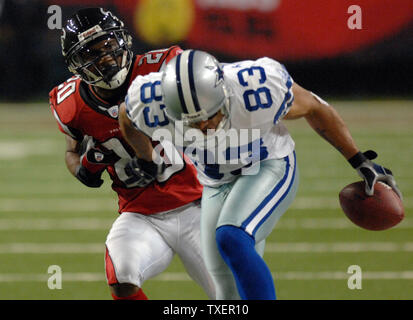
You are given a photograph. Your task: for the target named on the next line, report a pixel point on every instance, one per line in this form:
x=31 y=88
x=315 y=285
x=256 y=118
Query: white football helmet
x=194 y=88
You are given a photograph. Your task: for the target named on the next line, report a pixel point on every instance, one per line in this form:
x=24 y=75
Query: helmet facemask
x=102 y=60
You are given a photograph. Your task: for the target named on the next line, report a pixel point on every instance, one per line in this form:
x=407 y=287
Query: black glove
x=141 y=173
x=93 y=161
x=93 y=154
x=92 y=180
x=372 y=172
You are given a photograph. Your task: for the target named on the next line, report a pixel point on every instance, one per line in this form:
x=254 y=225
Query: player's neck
x=105 y=94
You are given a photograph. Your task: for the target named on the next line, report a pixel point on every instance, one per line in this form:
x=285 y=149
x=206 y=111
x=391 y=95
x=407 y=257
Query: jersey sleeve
x=62 y=102
x=144 y=104
x=280 y=84
x=154 y=61
x=172 y=52
x=285 y=83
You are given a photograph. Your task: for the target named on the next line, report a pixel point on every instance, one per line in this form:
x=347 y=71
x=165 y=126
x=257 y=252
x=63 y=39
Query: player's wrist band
x=356 y=160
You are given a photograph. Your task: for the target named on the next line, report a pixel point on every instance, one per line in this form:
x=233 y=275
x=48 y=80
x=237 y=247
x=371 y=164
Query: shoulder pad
x=262 y=89
x=64 y=103
x=154 y=60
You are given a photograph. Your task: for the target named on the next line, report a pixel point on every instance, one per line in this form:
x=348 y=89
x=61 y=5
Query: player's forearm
x=140 y=143
x=72 y=161
x=72 y=157
x=326 y=121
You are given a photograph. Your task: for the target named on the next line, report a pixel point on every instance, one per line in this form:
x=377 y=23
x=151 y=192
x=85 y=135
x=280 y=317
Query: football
x=381 y=211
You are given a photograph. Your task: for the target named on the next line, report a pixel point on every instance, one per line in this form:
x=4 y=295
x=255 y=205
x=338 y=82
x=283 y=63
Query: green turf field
x=48 y=218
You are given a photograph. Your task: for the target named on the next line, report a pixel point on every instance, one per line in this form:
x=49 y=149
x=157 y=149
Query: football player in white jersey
x=227 y=118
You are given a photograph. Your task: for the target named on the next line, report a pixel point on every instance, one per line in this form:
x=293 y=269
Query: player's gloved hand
x=93 y=162
x=98 y=158
x=93 y=157
x=372 y=172
x=141 y=173
x=92 y=180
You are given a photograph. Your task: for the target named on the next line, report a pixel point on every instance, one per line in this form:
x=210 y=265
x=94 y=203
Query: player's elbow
x=316 y=107
x=304 y=105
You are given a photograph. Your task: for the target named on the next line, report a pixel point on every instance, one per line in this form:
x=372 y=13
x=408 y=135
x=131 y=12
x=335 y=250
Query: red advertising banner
x=292 y=29
x=286 y=29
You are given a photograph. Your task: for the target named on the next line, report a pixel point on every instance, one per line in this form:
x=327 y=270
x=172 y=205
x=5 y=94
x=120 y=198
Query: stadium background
x=48 y=218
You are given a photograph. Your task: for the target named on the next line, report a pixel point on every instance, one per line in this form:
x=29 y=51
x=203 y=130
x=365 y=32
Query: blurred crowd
x=31 y=61
x=25 y=51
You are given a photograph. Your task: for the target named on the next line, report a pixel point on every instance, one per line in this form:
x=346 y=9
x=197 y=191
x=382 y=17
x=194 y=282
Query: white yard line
x=271 y=247
x=58 y=205
x=327 y=223
x=330 y=203
x=311 y=247
x=181 y=276
x=98 y=204
x=57 y=224
x=48 y=248
x=105 y=223
x=11 y=150
x=70 y=277
x=342 y=275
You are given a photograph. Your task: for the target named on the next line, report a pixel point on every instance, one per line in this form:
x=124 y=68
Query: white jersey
x=260 y=95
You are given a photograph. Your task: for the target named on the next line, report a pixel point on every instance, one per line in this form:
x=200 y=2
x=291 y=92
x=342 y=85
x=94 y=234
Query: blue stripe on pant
x=274 y=198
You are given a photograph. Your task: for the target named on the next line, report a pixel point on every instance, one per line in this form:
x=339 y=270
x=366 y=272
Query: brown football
x=381 y=211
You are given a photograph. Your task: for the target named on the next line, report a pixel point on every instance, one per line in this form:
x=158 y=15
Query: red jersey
x=80 y=112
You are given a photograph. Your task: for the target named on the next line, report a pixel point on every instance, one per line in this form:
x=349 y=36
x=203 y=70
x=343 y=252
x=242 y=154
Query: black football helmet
x=97 y=47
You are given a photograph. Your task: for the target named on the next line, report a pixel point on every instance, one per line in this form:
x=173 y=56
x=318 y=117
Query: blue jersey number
x=148 y=94
x=158 y=120
x=259 y=98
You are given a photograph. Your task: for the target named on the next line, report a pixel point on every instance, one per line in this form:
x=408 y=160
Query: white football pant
x=139 y=247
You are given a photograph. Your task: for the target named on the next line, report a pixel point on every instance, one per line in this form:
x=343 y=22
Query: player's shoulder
x=261 y=90
x=157 y=53
x=154 y=60
x=65 y=99
x=145 y=87
x=261 y=67
x=144 y=93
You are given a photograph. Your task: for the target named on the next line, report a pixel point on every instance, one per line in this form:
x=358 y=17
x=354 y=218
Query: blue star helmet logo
x=220 y=76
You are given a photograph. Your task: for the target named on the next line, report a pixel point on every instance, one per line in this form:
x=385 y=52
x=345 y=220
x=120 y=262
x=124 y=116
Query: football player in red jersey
x=159 y=203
